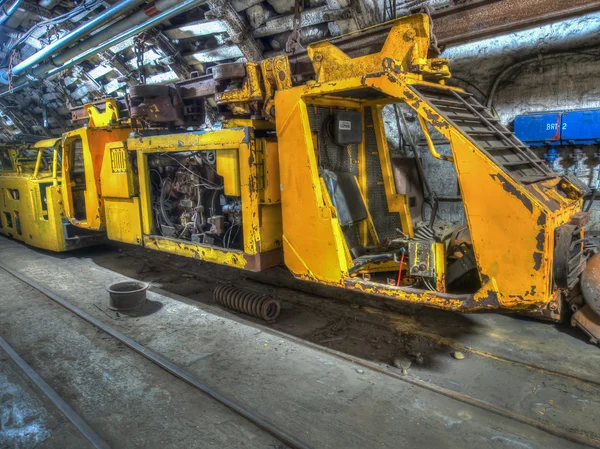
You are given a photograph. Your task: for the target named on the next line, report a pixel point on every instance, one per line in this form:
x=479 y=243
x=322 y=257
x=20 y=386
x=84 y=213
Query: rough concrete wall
x=568 y=81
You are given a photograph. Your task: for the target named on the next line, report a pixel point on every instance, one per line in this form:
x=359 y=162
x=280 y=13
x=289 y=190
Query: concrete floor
x=322 y=399
x=28 y=419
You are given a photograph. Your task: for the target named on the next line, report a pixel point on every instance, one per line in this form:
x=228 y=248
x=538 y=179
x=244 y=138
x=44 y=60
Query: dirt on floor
x=359 y=330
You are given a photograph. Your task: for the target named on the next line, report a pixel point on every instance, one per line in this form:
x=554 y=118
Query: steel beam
x=485 y=18
x=196 y=29
x=237 y=30
x=310 y=17
x=214 y=55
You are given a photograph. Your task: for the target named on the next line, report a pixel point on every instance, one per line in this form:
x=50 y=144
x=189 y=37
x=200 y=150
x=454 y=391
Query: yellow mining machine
x=296 y=168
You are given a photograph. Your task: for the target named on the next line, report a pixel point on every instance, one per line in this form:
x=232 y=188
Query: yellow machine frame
x=249 y=166
x=286 y=207
x=32 y=202
x=512 y=224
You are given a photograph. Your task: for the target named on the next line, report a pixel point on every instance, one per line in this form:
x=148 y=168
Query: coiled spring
x=248 y=302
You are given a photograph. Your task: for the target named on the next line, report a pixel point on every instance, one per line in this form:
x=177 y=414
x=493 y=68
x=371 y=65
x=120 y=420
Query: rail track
x=569 y=434
x=280 y=288
x=261 y=422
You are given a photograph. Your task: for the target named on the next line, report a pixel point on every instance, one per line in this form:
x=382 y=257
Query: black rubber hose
x=592 y=198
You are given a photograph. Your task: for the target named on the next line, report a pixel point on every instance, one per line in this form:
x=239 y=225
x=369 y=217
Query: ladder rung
x=506 y=147
x=484 y=133
x=515 y=163
x=439 y=101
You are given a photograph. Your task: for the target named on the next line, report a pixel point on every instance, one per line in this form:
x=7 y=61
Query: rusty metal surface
x=156 y=104
x=249 y=302
x=262 y=261
x=589 y=322
x=229 y=71
x=590 y=283
x=484 y=18
x=201 y=86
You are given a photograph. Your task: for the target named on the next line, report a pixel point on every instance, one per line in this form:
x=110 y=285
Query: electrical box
x=347 y=127
x=581 y=127
x=539 y=128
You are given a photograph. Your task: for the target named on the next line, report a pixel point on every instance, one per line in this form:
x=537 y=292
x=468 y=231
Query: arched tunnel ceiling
x=213 y=32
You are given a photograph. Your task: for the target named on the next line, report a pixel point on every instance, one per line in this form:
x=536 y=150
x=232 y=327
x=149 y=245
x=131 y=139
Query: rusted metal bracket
x=589 y=322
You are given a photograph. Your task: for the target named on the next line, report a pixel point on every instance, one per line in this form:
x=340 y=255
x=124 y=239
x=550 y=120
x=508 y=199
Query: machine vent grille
x=118 y=160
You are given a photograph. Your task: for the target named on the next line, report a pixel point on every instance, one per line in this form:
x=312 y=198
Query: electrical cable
x=592 y=198
x=430 y=193
x=161 y=200
x=48 y=23
x=192 y=172
x=400 y=269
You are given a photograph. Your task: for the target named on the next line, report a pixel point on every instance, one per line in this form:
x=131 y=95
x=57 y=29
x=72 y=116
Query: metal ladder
x=486 y=132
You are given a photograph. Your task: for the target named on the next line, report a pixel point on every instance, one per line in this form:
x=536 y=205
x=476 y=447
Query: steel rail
x=65 y=408
x=574 y=436
x=454 y=344
x=167 y=365
x=567 y=434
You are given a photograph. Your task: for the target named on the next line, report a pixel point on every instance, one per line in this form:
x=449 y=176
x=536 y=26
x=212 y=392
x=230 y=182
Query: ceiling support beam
x=480 y=19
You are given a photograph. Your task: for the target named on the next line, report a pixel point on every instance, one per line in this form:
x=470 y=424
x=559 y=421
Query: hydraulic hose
x=85 y=29
x=120 y=31
x=6 y=13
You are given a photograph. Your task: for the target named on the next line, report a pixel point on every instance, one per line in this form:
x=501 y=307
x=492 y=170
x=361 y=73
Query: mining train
x=294 y=168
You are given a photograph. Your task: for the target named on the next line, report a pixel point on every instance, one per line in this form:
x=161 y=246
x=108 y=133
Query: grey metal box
x=347 y=127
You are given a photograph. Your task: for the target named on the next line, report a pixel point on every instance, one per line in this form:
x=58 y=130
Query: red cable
x=400 y=270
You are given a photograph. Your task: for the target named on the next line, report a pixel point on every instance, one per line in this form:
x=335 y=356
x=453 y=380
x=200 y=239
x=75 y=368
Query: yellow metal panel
x=116 y=173
x=108 y=117
x=93 y=142
x=313 y=245
x=249 y=193
x=395 y=201
x=370 y=225
x=197 y=140
x=271 y=192
x=42 y=229
x=364 y=229
x=145 y=194
x=270 y=227
x=47 y=143
x=123 y=220
x=440 y=267
x=228 y=257
x=228 y=166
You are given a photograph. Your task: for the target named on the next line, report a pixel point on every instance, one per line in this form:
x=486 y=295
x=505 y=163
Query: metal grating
x=335 y=158
x=385 y=221
x=118 y=160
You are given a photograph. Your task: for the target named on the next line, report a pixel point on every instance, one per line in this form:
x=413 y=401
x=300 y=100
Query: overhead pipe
x=165 y=15
x=85 y=29
x=6 y=13
x=130 y=24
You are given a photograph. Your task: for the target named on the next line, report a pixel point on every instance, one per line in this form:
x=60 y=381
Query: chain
x=10 y=74
x=293 y=45
x=138 y=50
